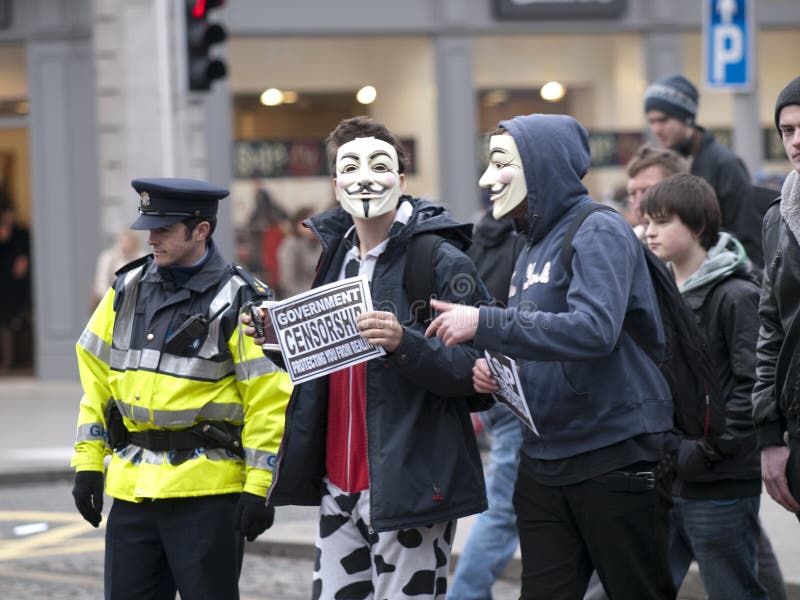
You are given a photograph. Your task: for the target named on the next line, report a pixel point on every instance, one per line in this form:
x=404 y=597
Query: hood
x=725 y=258
x=427 y=216
x=555 y=157
x=490 y=232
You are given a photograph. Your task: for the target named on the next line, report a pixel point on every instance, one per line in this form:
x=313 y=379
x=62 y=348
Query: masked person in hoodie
x=718 y=487
x=385 y=448
x=589 y=493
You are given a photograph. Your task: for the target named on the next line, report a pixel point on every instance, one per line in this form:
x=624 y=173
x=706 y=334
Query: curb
x=36 y=476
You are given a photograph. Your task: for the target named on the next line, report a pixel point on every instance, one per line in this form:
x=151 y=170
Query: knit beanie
x=673 y=95
x=789 y=95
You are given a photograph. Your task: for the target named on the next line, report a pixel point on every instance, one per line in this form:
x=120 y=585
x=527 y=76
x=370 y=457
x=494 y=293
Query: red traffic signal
x=202 y=65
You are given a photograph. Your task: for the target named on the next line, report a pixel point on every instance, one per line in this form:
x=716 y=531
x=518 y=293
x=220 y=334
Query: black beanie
x=673 y=95
x=789 y=95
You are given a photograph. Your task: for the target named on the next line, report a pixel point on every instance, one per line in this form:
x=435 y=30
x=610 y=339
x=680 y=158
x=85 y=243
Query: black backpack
x=419 y=277
x=698 y=408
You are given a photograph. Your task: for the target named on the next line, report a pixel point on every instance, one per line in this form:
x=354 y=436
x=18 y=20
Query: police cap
x=167 y=200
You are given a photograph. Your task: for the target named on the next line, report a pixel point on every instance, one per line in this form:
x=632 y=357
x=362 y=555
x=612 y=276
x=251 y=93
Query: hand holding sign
x=482 y=379
x=509 y=389
x=381 y=328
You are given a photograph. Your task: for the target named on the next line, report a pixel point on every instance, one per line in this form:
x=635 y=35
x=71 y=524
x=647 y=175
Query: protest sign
x=510 y=393
x=317 y=330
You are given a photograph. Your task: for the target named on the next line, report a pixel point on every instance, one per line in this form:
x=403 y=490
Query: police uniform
x=190 y=411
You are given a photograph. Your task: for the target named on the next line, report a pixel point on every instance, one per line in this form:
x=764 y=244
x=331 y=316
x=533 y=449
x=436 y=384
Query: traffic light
x=202 y=65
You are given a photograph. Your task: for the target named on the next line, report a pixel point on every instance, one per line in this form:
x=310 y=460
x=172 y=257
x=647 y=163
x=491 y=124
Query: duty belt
x=208 y=435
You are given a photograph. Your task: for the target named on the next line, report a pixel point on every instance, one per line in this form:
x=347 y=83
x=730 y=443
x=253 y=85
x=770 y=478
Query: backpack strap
x=419 y=278
x=567 y=251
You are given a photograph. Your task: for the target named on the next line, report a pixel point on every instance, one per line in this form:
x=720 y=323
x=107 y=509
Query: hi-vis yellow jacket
x=222 y=377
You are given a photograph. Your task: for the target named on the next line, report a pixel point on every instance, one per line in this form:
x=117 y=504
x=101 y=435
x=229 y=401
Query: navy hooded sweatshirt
x=589 y=385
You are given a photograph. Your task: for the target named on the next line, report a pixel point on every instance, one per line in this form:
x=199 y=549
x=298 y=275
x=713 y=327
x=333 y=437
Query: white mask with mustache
x=368 y=182
x=504 y=176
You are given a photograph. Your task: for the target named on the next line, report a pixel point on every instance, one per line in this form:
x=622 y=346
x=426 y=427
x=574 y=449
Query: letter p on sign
x=728 y=31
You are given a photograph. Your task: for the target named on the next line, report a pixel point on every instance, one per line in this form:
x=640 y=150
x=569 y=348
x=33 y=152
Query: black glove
x=88 y=494
x=253 y=516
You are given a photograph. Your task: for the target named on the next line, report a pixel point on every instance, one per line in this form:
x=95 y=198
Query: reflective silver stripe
x=185 y=367
x=125 y=408
x=123 y=323
x=141 y=414
x=95 y=346
x=149 y=359
x=122 y=360
x=260 y=459
x=90 y=432
x=136 y=454
x=211 y=411
x=255 y=367
x=210 y=347
x=195 y=368
x=220 y=454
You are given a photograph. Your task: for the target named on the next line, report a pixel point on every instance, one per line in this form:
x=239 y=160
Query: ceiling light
x=552 y=91
x=367 y=94
x=272 y=97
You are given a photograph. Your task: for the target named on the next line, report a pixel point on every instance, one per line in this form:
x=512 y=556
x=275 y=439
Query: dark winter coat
x=423 y=460
x=724 y=297
x=494 y=250
x=776 y=396
x=728 y=175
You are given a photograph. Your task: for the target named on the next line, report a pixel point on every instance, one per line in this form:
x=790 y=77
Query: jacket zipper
x=349 y=426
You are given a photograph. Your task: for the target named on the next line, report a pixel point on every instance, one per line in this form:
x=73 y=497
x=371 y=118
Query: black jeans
x=612 y=524
x=156 y=547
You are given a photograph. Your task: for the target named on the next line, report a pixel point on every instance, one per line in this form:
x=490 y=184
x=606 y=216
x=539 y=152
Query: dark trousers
x=567 y=531
x=154 y=548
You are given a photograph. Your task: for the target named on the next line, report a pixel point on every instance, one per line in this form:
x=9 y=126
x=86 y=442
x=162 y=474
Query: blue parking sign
x=728 y=36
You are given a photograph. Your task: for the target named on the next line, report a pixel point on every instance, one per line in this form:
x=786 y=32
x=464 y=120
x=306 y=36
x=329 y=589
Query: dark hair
x=299 y=216
x=357 y=127
x=192 y=222
x=647 y=156
x=689 y=197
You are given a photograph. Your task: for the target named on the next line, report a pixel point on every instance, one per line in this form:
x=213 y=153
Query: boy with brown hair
x=717 y=489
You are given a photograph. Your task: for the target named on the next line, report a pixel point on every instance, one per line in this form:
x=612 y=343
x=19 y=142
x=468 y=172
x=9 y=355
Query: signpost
x=728 y=42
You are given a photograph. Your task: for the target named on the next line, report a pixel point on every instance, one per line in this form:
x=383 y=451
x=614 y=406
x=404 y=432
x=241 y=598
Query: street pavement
x=38 y=427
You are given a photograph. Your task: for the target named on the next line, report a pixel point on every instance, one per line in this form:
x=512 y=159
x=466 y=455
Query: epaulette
x=259 y=287
x=133 y=264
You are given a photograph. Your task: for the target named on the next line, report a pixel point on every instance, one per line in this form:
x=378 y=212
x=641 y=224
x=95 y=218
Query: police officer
x=189 y=410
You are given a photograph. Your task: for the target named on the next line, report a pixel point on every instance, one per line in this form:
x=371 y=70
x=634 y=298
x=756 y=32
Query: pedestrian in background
x=775 y=397
x=15 y=281
x=190 y=414
x=298 y=255
x=385 y=448
x=717 y=489
x=493 y=537
x=126 y=247
x=670 y=105
x=592 y=490
x=648 y=166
